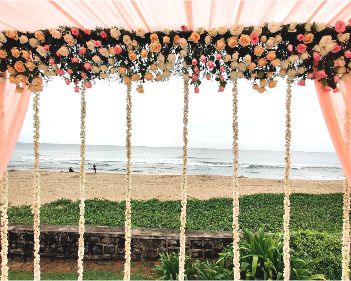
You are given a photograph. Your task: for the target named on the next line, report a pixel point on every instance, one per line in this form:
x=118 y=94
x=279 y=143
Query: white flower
x=23 y=39
x=237 y=29
x=274 y=27
x=2 y=38
x=115 y=33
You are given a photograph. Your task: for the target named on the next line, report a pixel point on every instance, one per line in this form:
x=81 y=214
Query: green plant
x=169 y=267
x=212 y=270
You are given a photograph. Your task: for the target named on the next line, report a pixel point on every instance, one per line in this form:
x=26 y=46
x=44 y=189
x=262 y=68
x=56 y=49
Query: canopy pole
x=82 y=186
x=184 y=186
x=36 y=186
x=128 y=210
x=287 y=191
x=4 y=226
x=235 y=180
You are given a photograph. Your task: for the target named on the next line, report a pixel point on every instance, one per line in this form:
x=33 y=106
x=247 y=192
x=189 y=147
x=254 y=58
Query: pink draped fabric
x=13 y=108
x=336 y=108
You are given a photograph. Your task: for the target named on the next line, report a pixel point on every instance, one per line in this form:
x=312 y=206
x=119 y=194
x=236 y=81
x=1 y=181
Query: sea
x=168 y=161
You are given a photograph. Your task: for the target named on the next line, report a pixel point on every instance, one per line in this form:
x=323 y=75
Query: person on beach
x=70 y=170
x=94 y=168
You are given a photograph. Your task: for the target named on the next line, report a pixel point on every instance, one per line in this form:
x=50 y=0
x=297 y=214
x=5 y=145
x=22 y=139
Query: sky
x=157 y=116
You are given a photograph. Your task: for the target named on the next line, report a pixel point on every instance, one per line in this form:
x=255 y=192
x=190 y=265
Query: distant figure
x=94 y=168
x=70 y=170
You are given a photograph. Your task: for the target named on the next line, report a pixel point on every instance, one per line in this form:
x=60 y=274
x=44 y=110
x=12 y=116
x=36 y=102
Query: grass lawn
x=309 y=212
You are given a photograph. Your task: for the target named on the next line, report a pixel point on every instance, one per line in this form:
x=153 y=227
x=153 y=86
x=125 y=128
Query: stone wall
x=108 y=242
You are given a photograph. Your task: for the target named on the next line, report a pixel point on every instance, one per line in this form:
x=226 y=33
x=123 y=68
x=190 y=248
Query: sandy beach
x=56 y=185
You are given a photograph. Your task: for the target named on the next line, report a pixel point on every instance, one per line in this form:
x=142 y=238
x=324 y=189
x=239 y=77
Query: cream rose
x=222 y=30
x=2 y=38
x=292 y=27
x=33 y=42
x=56 y=34
x=140 y=32
x=236 y=29
x=69 y=40
x=41 y=51
x=115 y=33
x=213 y=32
x=343 y=37
x=63 y=51
x=326 y=45
x=274 y=27
x=23 y=39
x=96 y=59
x=104 y=52
x=90 y=45
x=320 y=27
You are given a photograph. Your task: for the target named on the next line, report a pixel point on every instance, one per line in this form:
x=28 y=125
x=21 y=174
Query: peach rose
x=140 y=89
x=22 y=78
x=236 y=29
x=135 y=77
x=258 y=50
x=63 y=51
x=122 y=70
x=176 y=40
x=220 y=44
x=96 y=59
x=39 y=35
x=30 y=65
x=271 y=56
x=232 y=42
x=308 y=38
x=19 y=66
x=115 y=33
x=195 y=37
x=275 y=62
x=148 y=76
x=37 y=84
x=15 y=52
x=3 y=54
x=262 y=62
x=158 y=77
x=33 y=42
x=208 y=40
x=144 y=53
x=153 y=37
x=11 y=34
x=132 y=56
x=23 y=39
x=153 y=67
x=155 y=47
x=140 y=32
x=166 y=40
x=343 y=37
x=69 y=39
x=244 y=40
x=127 y=40
x=251 y=66
x=26 y=55
x=2 y=38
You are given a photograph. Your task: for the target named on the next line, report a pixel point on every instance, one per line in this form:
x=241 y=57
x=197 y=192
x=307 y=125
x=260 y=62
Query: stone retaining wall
x=106 y=243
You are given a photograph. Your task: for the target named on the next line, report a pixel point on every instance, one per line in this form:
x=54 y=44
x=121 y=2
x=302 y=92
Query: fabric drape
x=13 y=108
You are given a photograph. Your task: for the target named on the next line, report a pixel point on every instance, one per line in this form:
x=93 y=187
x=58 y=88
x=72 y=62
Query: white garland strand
x=184 y=185
x=235 y=180
x=82 y=187
x=128 y=211
x=346 y=233
x=287 y=191
x=4 y=226
x=36 y=187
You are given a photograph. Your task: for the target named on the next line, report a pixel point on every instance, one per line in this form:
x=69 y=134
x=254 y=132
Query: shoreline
x=110 y=186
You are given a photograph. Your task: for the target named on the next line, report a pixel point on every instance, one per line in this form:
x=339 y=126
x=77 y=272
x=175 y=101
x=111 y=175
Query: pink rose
x=290 y=48
x=88 y=85
x=310 y=76
x=74 y=31
x=348 y=54
x=84 y=75
x=82 y=51
x=218 y=56
x=97 y=43
x=196 y=90
x=87 y=31
x=196 y=70
x=51 y=61
x=302 y=82
x=76 y=89
x=221 y=89
x=316 y=56
x=221 y=69
x=67 y=81
x=336 y=79
x=194 y=62
x=87 y=66
x=336 y=48
x=60 y=71
x=340 y=26
x=320 y=74
x=208 y=76
x=221 y=78
x=184 y=27
x=301 y=48
x=118 y=49
x=210 y=65
x=74 y=60
x=194 y=77
x=203 y=59
x=103 y=34
x=46 y=47
x=58 y=54
x=254 y=38
x=69 y=71
x=300 y=37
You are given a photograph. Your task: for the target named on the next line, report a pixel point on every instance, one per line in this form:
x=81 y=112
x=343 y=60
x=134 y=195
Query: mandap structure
x=133 y=42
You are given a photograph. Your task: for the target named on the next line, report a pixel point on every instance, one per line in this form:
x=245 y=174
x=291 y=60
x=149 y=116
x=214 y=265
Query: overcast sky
x=157 y=116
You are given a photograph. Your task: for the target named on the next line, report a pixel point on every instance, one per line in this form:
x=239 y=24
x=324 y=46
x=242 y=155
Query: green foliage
x=314 y=212
x=169 y=267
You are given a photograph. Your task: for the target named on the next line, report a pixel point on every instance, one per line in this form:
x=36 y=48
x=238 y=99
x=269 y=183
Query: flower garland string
x=184 y=185
x=82 y=186
x=4 y=226
x=287 y=191
x=36 y=186
x=236 y=251
x=128 y=210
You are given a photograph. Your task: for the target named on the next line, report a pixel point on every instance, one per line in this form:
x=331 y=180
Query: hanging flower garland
x=287 y=191
x=128 y=211
x=184 y=185
x=298 y=51
x=346 y=241
x=4 y=226
x=236 y=250
x=36 y=187
x=82 y=187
